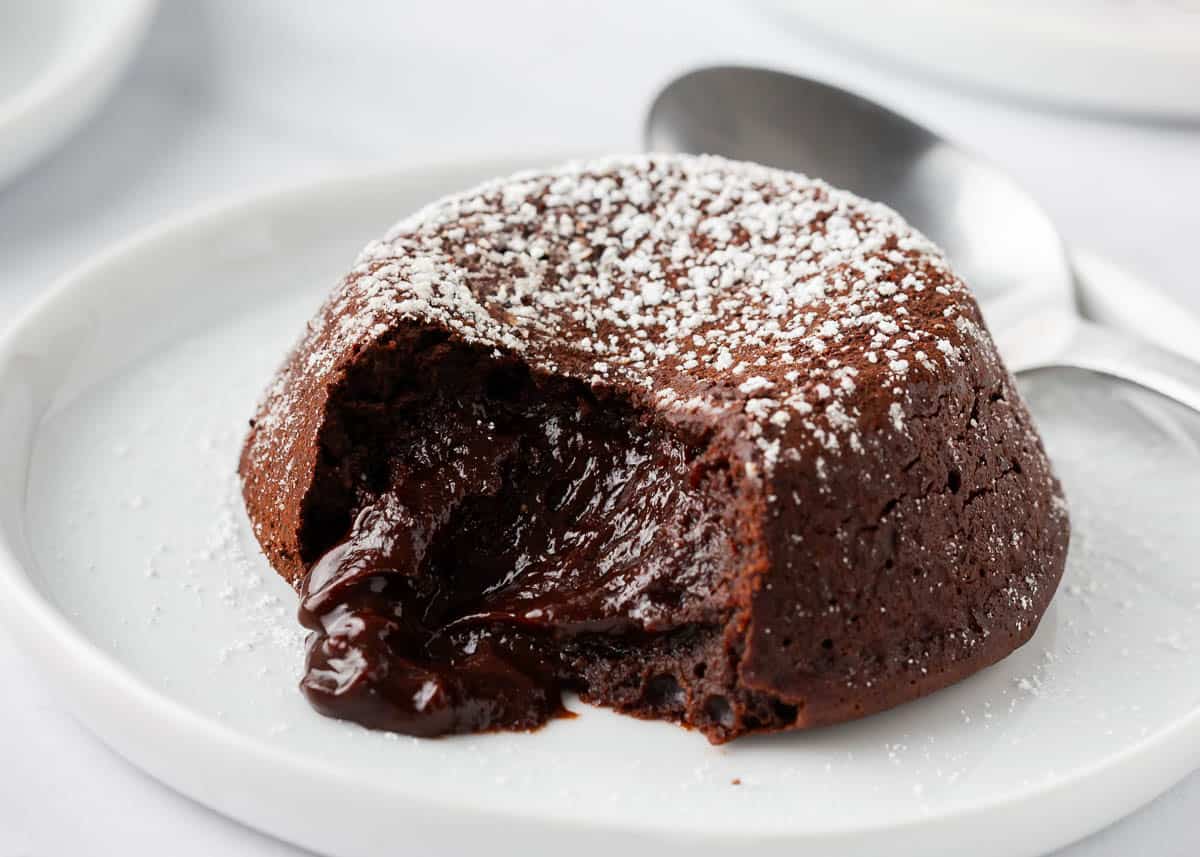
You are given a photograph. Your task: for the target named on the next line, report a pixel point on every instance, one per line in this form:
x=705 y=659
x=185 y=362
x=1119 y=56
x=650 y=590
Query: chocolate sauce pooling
x=510 y=532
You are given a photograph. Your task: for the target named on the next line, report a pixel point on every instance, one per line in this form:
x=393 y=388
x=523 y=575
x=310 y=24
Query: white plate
x=128 y=572
x=1137 y=58
x=59 y=59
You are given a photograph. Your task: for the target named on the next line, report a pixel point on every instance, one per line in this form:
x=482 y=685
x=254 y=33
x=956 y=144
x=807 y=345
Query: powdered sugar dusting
x=702 y=284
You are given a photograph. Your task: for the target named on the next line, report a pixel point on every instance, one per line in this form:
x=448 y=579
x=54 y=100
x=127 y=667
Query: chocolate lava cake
x=698 y=440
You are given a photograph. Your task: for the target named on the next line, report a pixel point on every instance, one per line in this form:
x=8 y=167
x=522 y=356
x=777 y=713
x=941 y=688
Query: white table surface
x=228 y=96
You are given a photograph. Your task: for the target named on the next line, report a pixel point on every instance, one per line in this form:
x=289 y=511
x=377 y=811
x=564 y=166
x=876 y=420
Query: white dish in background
x=59 y=59
x=129 y=574
x=1137 y=58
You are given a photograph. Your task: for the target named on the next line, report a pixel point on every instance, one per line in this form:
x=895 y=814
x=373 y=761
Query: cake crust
x=890 y=522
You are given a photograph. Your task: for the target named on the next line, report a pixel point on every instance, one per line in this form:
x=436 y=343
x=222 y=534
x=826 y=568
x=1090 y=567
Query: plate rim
x=1172 y=59
x=83 y=674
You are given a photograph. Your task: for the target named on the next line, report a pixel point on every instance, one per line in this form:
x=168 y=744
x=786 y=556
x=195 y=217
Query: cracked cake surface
x=698 y=439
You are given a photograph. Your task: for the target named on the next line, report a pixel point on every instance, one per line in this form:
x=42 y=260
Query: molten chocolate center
x=511 y=540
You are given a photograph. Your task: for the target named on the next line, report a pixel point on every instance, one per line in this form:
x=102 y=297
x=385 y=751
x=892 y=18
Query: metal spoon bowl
x=996 y=235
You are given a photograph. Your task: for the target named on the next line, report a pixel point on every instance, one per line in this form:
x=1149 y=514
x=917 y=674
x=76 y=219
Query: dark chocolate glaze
x=512 y=530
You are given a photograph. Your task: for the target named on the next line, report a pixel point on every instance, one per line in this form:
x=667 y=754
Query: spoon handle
x=1117 y=354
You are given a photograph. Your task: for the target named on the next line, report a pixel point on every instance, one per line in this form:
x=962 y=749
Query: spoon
x=998 y=238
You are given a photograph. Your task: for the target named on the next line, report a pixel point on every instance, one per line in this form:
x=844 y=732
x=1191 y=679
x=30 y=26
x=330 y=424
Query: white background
x=228 y=96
